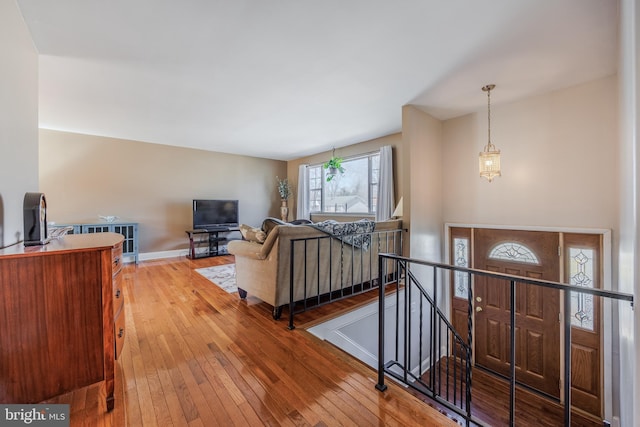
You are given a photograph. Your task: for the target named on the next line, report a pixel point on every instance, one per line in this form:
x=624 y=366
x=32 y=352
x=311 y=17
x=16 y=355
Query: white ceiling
x=283 y=79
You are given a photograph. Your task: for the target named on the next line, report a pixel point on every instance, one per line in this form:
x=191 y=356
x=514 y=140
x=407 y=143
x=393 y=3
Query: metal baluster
x=448 y=361
x=436 y=324
x=455 y=374
x=408 y=324
x=512 y=338
x=567 y=358
x=291 y=273
x=420 y=358
x=469 y=350
x=381 y=385
x=398 y=310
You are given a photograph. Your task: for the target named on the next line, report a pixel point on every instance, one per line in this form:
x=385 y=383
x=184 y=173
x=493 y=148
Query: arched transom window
x=512 y=251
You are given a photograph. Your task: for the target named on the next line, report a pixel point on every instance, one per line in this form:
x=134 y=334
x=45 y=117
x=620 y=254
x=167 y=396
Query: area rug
x=223 y=276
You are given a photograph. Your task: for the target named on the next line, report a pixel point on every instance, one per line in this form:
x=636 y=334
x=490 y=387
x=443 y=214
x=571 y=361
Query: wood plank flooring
x=490 y=402
x=197 y=356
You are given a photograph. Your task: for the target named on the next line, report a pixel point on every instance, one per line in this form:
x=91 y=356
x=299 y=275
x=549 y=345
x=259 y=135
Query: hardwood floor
x=197 y=356
x=490 y=403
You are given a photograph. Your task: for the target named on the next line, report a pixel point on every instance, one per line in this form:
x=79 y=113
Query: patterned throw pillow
x=270 y=223
x=252 y=234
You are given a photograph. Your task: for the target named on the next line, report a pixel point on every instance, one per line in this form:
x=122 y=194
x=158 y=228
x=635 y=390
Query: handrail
x=521 y=279
x=439 y=322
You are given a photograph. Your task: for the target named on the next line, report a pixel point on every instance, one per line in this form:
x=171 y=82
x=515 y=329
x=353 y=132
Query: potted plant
x=284 y=188
x=334 y=165
x=286 y=191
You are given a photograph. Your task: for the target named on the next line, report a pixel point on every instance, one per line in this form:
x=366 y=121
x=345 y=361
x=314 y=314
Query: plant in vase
x=284 y=188
x=286 y=191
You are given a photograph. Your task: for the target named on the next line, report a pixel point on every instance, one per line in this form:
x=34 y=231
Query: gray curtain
x=386 y=200
x=302 y=211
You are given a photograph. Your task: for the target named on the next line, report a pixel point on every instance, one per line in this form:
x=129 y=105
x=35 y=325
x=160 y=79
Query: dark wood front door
x=522 y=253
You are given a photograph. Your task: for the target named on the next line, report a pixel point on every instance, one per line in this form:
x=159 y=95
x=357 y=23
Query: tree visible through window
x=354 y=191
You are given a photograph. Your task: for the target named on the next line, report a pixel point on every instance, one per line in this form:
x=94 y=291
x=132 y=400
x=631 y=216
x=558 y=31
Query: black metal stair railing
x=430 y=356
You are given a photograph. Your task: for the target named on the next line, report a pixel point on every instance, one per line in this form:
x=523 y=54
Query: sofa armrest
x=244 y=248
x=253 y=250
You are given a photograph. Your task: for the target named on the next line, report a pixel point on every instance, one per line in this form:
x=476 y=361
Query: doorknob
x=478 y=309
x=478 y=299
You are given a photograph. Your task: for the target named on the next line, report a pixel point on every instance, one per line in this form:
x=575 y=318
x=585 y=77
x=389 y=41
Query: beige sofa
x=264 y=269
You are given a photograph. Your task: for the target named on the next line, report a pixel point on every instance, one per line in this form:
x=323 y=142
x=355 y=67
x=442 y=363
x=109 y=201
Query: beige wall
x=399 y=163
x=18 y=120
x=85 y=176
x=423 y=135
x=559 y=161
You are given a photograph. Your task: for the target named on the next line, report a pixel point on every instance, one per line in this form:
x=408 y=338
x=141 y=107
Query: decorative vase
x=284 y=210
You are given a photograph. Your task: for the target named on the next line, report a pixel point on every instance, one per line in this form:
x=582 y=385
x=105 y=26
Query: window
x=461 y=259
x=581 y=273
x=582 y=268
x=354 y=191
x=512 y=251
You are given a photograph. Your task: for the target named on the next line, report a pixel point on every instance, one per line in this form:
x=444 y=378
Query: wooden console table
x=62 y=316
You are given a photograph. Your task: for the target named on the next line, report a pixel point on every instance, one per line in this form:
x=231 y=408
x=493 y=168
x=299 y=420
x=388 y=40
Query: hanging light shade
x=398 y=212
x=489 y=160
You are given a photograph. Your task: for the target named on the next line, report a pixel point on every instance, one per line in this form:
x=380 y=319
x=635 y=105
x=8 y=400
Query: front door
x=529 y=254
x=532 y=254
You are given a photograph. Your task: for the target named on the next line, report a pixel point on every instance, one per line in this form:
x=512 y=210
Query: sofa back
x=322 y=263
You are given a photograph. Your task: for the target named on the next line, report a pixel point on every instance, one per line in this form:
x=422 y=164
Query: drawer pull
x=121 y=333
x=118 y=293
x=116 y=261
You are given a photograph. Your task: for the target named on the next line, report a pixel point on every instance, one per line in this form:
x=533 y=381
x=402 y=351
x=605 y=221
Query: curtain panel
x=386 y=199
x=302 y=211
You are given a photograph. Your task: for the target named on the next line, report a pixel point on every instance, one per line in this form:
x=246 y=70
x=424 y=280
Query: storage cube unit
x=128 y=229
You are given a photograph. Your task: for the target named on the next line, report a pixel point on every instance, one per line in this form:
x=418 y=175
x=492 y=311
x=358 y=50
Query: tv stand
x=210 y=242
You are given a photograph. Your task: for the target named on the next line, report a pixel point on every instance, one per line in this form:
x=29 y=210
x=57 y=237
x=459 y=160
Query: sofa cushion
x=252 y=234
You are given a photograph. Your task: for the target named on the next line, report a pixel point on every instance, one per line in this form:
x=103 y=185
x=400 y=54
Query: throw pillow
x=252 y=234
x=270 y=223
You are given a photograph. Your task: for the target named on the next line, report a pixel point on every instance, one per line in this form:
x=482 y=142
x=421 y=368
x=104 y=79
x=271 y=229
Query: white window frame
x=372 y=186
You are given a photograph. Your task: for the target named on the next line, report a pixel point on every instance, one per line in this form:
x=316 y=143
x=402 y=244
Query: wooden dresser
x=61 y=317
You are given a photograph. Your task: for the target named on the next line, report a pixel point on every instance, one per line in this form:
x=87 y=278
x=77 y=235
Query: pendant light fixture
x=489 y=157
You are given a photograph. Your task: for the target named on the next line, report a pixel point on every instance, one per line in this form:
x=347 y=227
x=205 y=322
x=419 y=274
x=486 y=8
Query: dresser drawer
x=116 y=263
x=118 y=294
x=119 y=331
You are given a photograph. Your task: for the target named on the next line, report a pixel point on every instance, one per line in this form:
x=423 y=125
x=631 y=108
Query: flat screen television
x=212 y=214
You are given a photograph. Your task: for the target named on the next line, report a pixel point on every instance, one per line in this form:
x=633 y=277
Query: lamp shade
x=489 y=159
x=489 y=162
x=398 y=211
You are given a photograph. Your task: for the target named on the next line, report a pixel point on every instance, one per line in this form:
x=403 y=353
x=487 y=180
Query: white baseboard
x=163 y=254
